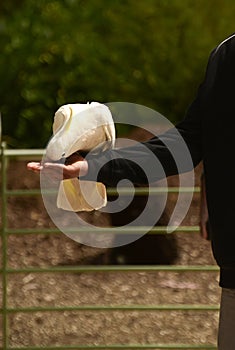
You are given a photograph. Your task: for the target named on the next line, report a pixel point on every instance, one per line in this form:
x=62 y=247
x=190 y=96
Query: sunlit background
x=151 y=52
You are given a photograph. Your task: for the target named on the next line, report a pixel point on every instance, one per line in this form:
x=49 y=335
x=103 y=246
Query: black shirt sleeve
x=169 y=148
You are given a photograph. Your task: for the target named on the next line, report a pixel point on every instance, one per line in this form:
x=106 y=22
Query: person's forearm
x=145 y=162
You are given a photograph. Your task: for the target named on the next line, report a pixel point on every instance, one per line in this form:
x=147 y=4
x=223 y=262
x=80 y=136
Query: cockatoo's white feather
x=81 y=127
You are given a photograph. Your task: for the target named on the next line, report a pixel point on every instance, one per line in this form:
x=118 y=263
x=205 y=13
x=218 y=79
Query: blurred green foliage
x=151 y=52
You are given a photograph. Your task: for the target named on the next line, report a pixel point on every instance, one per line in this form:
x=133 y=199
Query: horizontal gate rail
x=114 y=268
x=140 y=191
x=173 y=307
x=137 y=346
x=119 y=230
x=5 y=270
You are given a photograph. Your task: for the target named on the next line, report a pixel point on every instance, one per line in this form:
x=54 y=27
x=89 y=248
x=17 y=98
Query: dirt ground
x=43 y=328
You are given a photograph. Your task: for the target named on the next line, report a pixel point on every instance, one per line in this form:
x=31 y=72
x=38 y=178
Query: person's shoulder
x=228 y=42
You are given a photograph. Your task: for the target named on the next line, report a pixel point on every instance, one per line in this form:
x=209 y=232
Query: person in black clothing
x=208 y=131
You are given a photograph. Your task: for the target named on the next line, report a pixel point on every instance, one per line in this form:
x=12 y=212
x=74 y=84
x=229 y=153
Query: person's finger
x=54 y=166
x=53 y=171
x=73 y=170
x=60 y=171
x=34 y=166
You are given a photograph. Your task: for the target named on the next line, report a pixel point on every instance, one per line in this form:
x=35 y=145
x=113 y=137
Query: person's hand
x=74 y=166
x=34 y=166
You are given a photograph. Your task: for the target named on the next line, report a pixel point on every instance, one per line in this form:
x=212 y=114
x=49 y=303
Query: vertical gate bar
x=4 y=248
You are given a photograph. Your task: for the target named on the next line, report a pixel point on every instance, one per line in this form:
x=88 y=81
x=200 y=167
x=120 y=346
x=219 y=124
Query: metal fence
x=6 y=271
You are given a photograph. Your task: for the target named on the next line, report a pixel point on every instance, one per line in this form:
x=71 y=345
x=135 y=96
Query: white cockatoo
x=85 y=128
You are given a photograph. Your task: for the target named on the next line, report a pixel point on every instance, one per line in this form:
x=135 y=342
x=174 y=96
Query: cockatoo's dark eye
x=63 y=154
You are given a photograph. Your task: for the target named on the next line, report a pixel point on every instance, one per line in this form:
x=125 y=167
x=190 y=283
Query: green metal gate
x=6 y=271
